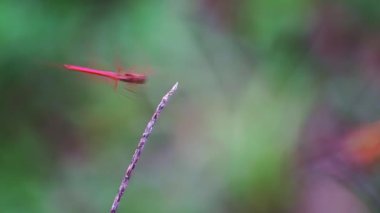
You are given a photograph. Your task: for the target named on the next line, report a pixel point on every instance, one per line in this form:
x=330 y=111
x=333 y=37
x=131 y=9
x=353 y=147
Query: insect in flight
x=129 y=77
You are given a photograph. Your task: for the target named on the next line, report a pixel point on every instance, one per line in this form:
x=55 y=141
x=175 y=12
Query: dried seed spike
x=140 y=147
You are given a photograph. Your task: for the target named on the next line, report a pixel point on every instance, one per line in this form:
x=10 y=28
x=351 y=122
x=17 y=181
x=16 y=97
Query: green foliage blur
x=250 y=73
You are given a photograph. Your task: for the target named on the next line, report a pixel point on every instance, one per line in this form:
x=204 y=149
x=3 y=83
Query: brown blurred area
x=340 y=140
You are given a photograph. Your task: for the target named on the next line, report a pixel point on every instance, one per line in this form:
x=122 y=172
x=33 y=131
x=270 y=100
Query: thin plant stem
x=140 y=147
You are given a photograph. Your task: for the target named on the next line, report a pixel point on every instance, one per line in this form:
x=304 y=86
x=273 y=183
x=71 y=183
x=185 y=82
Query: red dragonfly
x=129 y=77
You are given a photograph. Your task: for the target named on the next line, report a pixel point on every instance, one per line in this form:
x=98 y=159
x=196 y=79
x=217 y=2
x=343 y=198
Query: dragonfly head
x=135 y=78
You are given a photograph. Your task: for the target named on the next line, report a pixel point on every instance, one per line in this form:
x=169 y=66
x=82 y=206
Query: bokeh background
x=276 y=111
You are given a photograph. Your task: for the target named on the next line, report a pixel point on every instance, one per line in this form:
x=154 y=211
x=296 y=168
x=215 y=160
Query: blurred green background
x=251 y=73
